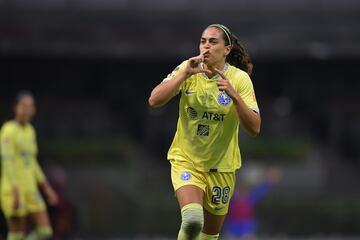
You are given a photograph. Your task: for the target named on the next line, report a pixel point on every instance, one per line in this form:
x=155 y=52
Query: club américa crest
x=224 y=99
x=185 y=176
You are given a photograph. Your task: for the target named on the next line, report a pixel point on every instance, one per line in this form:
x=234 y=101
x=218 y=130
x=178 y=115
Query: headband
x=225 y=30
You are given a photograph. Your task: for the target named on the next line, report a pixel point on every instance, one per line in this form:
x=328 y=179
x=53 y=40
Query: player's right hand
x=16 y=195
x=196 y=65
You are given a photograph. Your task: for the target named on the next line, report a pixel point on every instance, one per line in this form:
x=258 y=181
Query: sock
x=204 y=236
x=15 y=236
x=41 y=233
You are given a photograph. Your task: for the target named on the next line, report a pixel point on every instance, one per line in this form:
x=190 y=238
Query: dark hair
x=238 y=56
x=20 y=95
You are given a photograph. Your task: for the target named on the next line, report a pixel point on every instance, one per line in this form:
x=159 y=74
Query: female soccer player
x=216 y=97
x=22 y=176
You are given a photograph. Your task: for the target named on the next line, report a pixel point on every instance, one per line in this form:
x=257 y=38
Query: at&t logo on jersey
x=192 y=113
x=185 y=176
x=224 y=99
x=211 y=116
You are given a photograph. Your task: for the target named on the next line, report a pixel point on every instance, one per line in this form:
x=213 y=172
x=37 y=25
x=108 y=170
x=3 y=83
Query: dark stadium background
x=92 y=64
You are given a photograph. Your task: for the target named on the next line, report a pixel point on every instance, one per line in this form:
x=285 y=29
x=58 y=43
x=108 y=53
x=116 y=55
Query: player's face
x=212 y=45
x=25 y=109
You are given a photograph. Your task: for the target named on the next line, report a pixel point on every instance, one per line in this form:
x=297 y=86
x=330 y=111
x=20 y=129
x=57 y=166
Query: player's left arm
x=49 y=192
x=249 y=118
x=43 y=183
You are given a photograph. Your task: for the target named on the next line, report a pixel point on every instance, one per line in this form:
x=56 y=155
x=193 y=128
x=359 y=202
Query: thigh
x=16 y=224
x=189 y=194
x=212 y=223
x=40 y=219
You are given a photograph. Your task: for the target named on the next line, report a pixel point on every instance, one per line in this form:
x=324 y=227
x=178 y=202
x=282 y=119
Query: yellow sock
x=204 y=236
x=15 y=236
x=41 y=233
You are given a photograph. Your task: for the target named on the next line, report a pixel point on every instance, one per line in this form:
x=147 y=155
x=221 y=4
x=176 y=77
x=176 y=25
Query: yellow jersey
x=19 y=165
x=208 y=124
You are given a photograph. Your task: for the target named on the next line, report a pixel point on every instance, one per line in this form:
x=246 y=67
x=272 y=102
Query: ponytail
x=238 y=56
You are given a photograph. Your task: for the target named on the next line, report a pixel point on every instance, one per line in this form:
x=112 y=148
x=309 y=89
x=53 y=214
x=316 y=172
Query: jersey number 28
x=220 y=195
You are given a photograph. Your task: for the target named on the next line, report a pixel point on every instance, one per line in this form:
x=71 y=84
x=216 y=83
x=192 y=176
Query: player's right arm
x=166 y=90
x=8 y=159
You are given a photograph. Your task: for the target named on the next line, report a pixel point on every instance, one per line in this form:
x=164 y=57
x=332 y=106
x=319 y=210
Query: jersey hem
x=177 y=158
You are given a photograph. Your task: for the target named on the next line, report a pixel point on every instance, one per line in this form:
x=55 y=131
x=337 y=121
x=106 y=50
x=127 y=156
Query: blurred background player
x=63 y=216
x=241 y=223
x=22 y=177
x=216 y=95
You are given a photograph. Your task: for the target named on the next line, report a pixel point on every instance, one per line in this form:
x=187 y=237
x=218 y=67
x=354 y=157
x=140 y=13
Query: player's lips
x=206 y=55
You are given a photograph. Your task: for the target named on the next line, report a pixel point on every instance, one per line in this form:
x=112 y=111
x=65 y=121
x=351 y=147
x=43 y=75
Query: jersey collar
x=216 y=77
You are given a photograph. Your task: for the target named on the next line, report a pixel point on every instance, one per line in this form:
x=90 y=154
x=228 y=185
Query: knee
x=192 y=219
x=192 y=228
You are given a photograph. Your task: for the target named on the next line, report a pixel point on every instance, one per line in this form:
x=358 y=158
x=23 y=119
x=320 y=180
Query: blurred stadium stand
x=93 y=63
x=315 y=28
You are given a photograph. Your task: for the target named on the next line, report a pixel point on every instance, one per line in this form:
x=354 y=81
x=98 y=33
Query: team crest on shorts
x=224 y=99
x=185 y=176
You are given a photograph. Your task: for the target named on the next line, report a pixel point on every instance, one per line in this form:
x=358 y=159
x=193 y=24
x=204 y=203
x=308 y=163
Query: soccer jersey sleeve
x=246 y=91
x=39 y=174
x=174 y=73
x=8 y=153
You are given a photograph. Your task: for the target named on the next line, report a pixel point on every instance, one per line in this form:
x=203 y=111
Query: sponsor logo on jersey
x=185 y=176
x=224 y=99
x=192 y=113
x=211 y=116
x=203 y=130
x=187 y=92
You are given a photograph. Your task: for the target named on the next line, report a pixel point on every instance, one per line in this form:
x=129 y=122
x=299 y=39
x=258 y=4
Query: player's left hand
x=51 y=195
x=224 y=85
x=52 y=198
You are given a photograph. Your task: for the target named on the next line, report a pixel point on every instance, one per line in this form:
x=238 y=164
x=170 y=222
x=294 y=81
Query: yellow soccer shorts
x=29 y=202
x=217 y=186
